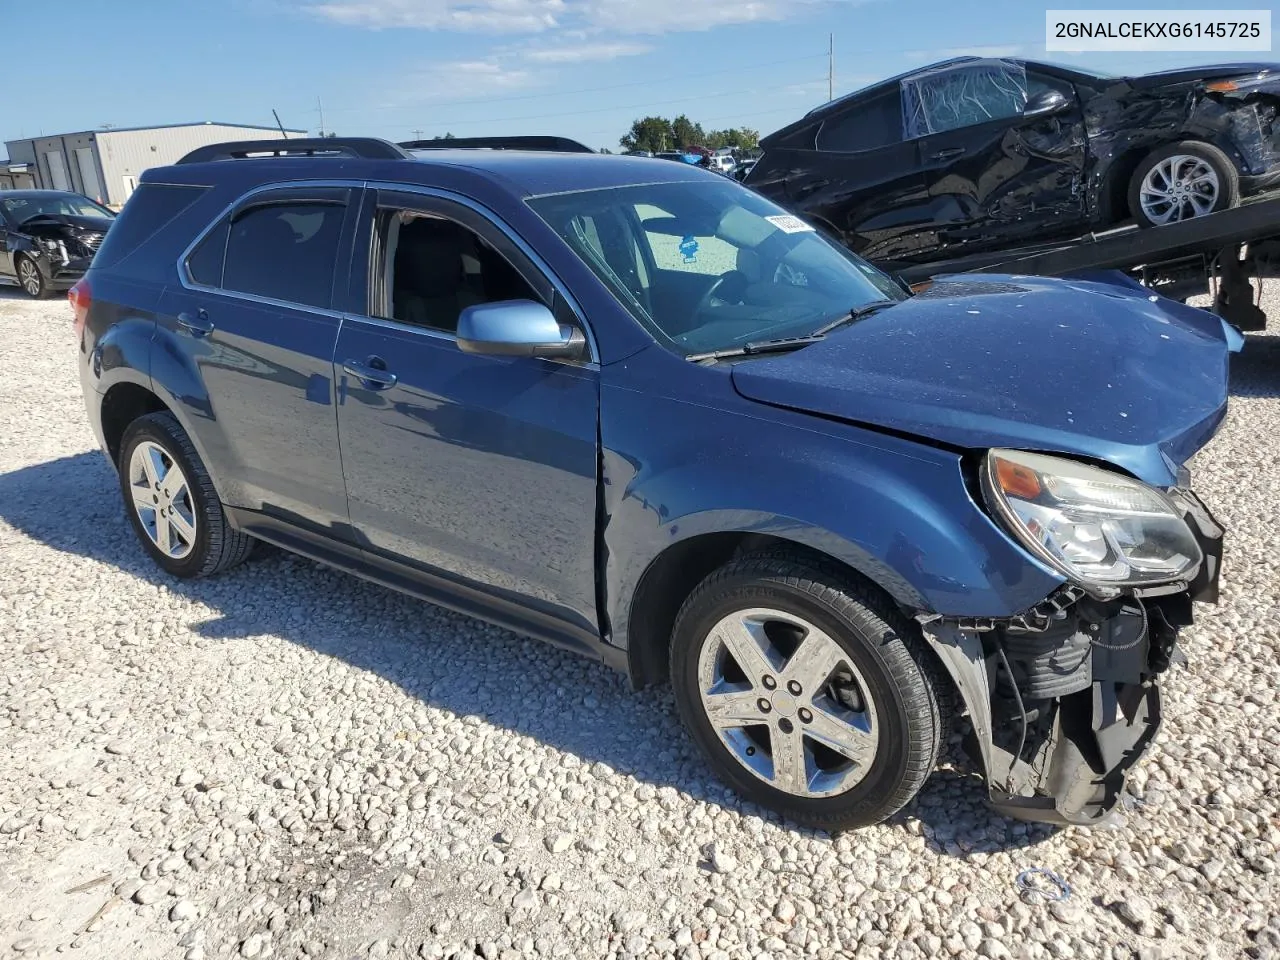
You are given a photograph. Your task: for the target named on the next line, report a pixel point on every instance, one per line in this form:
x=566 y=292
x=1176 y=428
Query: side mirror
x=518 y=328
x=1046 y=102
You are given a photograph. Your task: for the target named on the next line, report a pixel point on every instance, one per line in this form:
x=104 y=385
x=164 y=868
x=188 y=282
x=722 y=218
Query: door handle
x=198 y=324
x=372 y=373
x=947 y=154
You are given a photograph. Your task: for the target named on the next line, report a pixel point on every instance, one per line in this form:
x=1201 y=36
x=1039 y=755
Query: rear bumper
x=1060 y=715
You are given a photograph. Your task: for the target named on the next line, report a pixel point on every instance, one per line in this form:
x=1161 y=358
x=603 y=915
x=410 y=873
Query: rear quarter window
x=151 y=207
x=873 y=123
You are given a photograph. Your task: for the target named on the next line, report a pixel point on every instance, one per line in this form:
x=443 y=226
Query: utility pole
x=417 y=134
x=831 y=66
x=321 y=106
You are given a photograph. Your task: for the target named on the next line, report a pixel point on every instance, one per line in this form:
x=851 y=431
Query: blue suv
x=637 y=410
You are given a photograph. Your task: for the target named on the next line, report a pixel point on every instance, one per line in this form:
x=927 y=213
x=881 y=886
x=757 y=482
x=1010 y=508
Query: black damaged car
x=48 y=238
x=977 y=154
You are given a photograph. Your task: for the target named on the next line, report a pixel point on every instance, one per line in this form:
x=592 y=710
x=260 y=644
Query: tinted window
x=205 y=262
x=435 y=268
x=285 y=251
x=873 y=123
x=150 y=207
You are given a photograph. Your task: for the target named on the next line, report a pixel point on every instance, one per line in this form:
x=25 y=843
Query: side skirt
x=433 y=586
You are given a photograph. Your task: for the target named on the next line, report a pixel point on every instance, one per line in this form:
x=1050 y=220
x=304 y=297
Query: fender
x=897 y=511
x=177 y=382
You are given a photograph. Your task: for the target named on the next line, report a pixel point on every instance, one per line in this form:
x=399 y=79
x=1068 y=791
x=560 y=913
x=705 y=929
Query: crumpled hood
x=1104 y=370
x=1216 y=71
x=55 y=225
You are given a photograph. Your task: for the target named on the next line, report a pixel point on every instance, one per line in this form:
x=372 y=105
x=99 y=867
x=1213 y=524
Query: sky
x=578 y=68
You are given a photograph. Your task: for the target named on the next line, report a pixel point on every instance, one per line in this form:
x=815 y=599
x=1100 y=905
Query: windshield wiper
x=784 y=345
x=857 y=313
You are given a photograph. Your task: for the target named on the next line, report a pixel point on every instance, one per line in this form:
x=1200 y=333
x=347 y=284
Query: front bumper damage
x=1064 y=699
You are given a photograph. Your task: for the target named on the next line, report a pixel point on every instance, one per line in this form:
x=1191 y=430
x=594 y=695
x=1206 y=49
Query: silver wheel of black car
x=1181 y=182
x=30 y=278
x=807 y=690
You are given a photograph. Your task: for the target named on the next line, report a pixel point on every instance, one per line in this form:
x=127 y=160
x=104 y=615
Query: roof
x=526 y=173
x=159 y=126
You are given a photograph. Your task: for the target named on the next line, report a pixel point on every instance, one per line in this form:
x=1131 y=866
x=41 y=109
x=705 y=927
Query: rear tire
x=30 y=279
x=171 y=502
x=850 y=748
x=1182 y=181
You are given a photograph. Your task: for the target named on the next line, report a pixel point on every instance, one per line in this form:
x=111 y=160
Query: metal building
x=106 y=164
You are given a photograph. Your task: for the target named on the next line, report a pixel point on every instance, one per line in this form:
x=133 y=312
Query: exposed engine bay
x=1064 y=700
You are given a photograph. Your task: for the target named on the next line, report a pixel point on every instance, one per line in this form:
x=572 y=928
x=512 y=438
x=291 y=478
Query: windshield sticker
x=789 y=224
x=689 y=249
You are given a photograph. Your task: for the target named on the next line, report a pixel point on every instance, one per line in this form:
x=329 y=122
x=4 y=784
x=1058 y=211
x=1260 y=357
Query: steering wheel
x=729 y=287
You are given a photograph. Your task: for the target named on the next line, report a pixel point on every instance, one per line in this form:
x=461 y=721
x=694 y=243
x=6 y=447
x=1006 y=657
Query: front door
x=252 y=318
x=996 y=178
x=483 y=468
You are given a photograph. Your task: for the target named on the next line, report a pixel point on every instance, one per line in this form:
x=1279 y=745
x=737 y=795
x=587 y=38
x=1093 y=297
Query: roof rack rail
x=365 y=148
x=552 y=144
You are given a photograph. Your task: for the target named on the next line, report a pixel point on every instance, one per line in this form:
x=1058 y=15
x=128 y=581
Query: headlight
x=1100 y=529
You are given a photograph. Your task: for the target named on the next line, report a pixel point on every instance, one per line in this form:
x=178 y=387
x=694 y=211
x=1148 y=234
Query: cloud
x=584 y=53
x=494 y=16
x=652 y=17
x=459 y=80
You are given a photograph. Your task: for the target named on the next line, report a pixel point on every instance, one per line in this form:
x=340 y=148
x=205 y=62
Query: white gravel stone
x=351 y=759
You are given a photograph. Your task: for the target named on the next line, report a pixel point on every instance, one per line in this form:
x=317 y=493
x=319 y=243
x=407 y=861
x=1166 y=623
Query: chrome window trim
x=593 y=362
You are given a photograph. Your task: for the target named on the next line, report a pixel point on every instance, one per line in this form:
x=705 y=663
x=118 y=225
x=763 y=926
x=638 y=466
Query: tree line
x=658 y=134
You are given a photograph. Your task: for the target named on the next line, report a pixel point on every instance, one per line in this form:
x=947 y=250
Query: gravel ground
x=286 y=761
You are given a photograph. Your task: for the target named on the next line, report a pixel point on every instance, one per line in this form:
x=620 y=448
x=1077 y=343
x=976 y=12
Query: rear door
x=858 y=178
x=996 y=178
x=253 y=319
x=480 y=468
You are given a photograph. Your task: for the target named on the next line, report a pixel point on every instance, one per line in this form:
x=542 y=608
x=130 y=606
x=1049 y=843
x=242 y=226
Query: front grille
x=92 y=240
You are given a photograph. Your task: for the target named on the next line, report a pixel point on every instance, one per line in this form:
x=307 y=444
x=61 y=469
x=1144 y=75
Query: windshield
x=61 y=204
x=712 y=266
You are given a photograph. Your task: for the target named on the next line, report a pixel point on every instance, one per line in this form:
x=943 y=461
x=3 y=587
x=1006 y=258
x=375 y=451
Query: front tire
x=807 y=691
x=1181 y=182
x=30 y=279
x=171 y=502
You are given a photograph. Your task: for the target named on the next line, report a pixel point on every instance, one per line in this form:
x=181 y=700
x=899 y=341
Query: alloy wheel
x=788 y=702
x=162 y=500
x=29 y=277
x=1179 y=188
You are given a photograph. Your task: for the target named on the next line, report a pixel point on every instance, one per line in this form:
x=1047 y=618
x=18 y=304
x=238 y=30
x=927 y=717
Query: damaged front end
x=64 y=245
x=1064 y=699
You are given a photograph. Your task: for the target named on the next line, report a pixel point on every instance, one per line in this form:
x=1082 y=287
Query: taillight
x=79 y=297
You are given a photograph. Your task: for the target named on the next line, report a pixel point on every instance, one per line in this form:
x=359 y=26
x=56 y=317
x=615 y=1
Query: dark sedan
x=974 y=154
x=48 y=238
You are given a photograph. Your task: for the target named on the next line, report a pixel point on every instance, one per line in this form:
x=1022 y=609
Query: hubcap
x=1179 y=188
x=162 y=500
x=29 y=277
x=788 y=702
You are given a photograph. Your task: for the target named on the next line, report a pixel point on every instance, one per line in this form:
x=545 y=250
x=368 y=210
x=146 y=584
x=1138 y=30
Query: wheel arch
x=673 y=574
x=122 y=404
x=1113 y=197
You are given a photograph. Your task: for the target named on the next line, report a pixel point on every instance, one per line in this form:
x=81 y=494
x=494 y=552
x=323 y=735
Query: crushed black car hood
x=1216 y=71
x=58 y=224
x=1101 y=370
